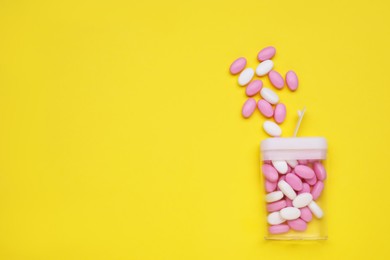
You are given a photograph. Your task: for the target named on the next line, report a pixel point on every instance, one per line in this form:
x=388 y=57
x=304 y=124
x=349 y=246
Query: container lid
x=293 y=143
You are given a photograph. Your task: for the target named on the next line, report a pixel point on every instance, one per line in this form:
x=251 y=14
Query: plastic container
x=309 y=152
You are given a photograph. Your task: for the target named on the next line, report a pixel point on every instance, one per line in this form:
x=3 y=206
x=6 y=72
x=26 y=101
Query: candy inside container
x=294 y=180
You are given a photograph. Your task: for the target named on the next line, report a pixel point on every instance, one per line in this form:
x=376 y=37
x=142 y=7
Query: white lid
x=294 y=148
x=293 y=143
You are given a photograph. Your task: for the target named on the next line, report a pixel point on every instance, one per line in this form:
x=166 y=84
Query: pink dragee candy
x=317 y=190
x=249 y=107
x=288 y=202
x=305 y=188
x=270 y=186
x=237 y=66
x=306 y=214
x=311 y=181
x=276 y=206
x=270 y=173
x=319 y=170
x=292 y=80
x=254 y=88
x=297 y=224
x=276 y=79
x=266 y=53
x=304 y=171
x=280 y=113
x=278 y=229
x=265 y=108
x=294 y=181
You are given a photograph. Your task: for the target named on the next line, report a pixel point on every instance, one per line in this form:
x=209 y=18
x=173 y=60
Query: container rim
x=293 y=143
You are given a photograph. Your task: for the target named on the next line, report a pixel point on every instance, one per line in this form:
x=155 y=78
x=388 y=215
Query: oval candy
x=292 y=80
x=287 y=190
x=317 y=190
x=270 y=96
x=280 y=113
x=275 y=218
x=306 y=214
x=297 y=224
x=265 y=108
x=290 y=213
x=270 y=186
x=270 y=173
x=253 y=88
x=294 y=181
x=245 y=76
x=266 y=53
x=292 y=163
x=272 y=129
x=302 y=200
x=237 y=66
x=281 y=178
x=274 y=196
x=312 y=181
x=319 y=170
x=315 y=209
x=276 y=79
x=249 y=107
x=264 y=67
x=280 y=166
x=278 y=229
x=304 y=171
x=276 y=206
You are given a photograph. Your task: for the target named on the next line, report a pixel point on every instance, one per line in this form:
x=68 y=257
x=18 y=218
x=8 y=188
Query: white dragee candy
x=302 y=200
x=269 y=96
x=315 y=209
x=245 y=76
x=272 y=128
x=264 y=67
x=287 y=190
x=275 y=219
x=274 y=196
x=290 y=213
x=280 y=166
x=292 y=163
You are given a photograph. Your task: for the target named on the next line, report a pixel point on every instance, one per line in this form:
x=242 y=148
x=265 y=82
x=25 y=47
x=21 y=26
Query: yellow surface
x=121 y=135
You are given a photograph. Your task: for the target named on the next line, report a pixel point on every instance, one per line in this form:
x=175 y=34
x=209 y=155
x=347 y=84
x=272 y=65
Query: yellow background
x=121 y=135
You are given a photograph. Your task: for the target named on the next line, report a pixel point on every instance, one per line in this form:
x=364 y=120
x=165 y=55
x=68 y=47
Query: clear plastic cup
x=304 y=153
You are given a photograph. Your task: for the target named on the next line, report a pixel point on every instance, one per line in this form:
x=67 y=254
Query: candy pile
x=292 y=188
x=269 y=105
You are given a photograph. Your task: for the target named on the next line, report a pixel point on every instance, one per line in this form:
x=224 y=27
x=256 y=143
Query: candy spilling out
x=292 y=190
x=268 y=105
x=292 y=187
